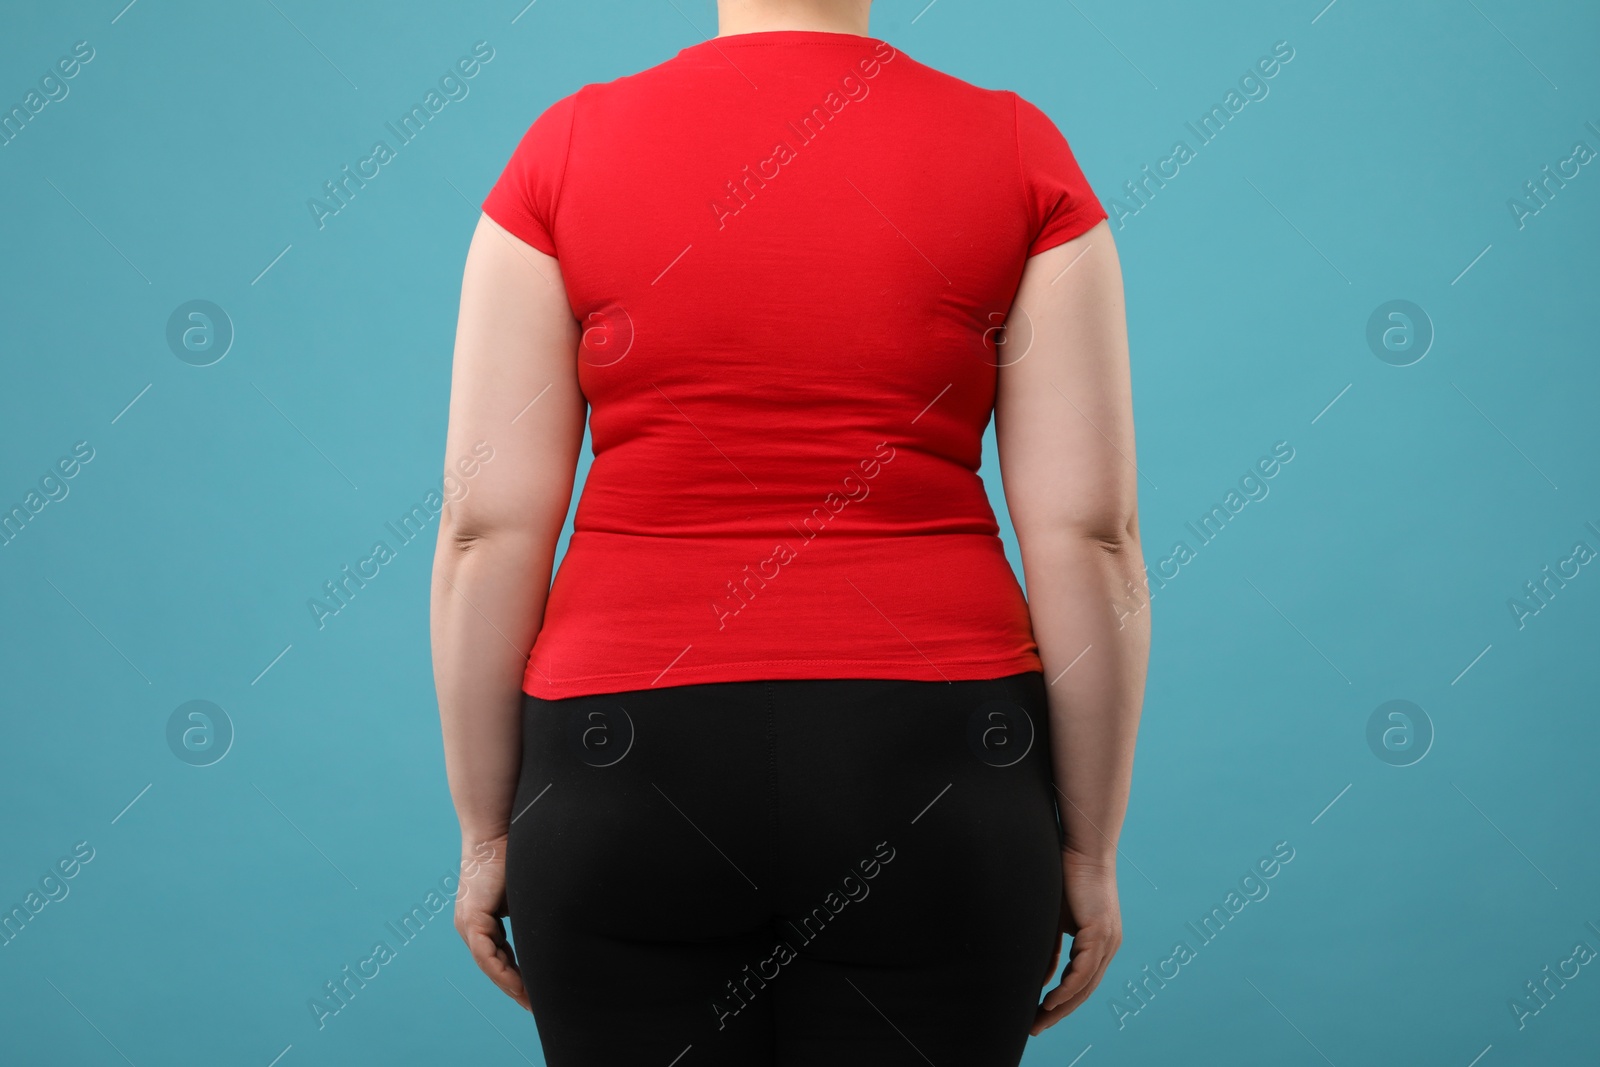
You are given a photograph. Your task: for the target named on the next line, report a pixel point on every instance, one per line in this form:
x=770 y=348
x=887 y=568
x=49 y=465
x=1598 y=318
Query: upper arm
x=1064 y=405
x=514 y=394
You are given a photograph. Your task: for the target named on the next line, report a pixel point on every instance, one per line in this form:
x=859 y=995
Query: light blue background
x=1379 y=568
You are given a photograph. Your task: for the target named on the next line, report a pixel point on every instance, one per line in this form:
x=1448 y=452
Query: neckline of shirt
x=782 y=37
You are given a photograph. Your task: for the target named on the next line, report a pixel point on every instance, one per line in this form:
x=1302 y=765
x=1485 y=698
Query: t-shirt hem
x=1074 y=226
x=919 y=670
x=525 y=230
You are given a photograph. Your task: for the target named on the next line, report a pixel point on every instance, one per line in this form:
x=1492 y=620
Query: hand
x=480 y=909
x=1091 y=915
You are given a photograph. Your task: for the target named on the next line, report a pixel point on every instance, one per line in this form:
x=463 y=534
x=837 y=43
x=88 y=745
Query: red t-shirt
x=790 y=252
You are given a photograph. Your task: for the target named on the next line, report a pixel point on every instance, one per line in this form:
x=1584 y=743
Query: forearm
x=1091 y=620
x=488 y=599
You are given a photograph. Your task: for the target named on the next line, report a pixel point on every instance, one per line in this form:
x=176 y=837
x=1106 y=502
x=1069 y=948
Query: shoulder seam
x=566 y=154
x=1022 y=173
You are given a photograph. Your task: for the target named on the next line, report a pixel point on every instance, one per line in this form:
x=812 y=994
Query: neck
x=757 y=16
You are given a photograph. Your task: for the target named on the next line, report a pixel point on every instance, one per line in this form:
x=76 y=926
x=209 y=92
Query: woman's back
x=785 y=649
x=791 y=252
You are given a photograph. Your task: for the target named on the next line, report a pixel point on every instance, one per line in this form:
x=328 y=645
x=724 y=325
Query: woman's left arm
x=511 y=452
x=1064 y=427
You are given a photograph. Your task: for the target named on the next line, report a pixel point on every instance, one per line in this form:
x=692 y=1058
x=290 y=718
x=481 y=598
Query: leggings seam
x=772 y=784
x=772 y=799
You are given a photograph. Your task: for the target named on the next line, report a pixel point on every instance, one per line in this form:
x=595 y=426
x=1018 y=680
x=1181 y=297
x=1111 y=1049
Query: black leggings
x=790 y=873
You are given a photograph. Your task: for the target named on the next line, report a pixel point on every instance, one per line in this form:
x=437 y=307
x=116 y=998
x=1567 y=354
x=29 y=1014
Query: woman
x=783 y=768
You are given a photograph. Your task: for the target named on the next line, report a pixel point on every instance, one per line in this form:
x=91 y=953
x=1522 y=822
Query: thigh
x=638 y=867
x=920 y=853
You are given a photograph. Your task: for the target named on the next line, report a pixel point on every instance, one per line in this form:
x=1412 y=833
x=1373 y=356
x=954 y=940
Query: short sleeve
x=1061 y=205
x=523 y=199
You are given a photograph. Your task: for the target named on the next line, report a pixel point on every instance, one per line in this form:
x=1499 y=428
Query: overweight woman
x=782 y=768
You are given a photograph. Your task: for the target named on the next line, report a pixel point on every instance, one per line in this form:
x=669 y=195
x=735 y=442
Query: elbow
x=1115 y=533
x=1096 y=513
x=459 y=542
x=462 y=535
x=454 y=535
x=1117 y=539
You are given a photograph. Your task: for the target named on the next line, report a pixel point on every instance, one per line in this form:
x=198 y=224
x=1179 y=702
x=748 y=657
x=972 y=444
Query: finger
x=494 y=956
x=499 y=965
x=1091 y=968
x=1053 y=1010
x=1050 y=1009
x=1084 y=992
x=1085 y=959
x=1055 y=961
x=1083 y=973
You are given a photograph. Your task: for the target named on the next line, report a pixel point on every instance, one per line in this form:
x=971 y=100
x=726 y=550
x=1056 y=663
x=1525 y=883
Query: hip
x=772 y=797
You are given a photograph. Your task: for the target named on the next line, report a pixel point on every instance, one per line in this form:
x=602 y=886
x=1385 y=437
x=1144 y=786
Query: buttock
x=788 y=872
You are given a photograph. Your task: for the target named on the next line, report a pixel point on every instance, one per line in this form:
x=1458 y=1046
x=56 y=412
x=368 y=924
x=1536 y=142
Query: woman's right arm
x=514 y=397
